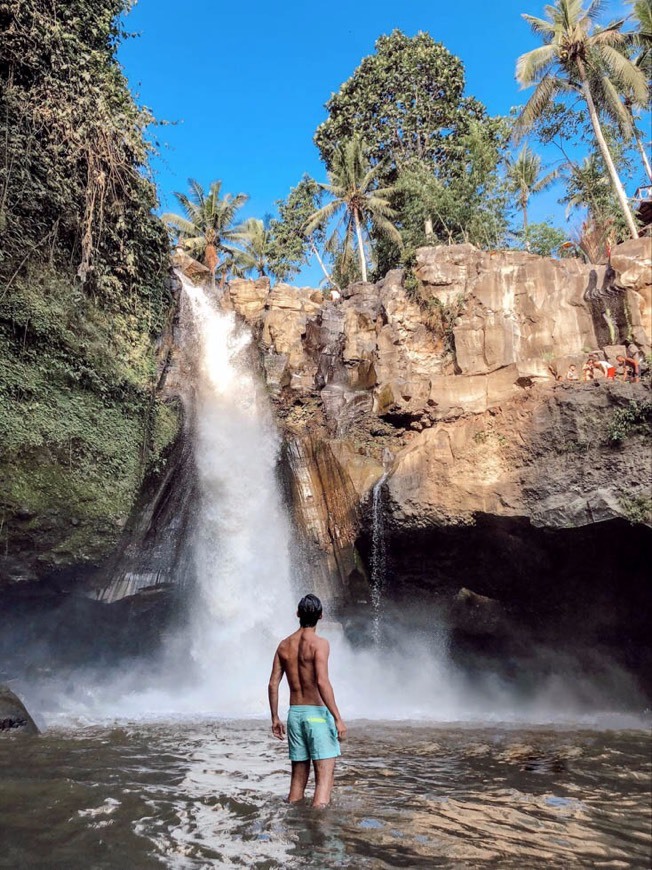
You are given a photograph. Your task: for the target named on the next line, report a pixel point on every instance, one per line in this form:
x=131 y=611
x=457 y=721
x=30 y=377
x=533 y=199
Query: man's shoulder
x=287 y=642
x=321 y=643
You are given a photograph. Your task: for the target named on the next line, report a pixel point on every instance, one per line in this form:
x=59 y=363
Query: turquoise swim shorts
x=312 y=734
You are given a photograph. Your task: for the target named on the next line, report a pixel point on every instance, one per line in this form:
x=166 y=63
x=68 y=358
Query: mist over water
x=217 y=661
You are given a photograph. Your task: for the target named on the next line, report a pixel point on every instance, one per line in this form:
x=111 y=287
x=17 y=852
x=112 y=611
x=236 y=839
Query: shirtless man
x=315 y=726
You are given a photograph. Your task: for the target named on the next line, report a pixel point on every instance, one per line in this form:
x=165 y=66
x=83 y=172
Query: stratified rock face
x=546 y=455
x=518 y=309
x=452 y=386
x=632 y=262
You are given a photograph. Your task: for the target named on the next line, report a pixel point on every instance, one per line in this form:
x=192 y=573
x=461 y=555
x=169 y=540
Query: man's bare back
x=298 y=655
x=313 y=735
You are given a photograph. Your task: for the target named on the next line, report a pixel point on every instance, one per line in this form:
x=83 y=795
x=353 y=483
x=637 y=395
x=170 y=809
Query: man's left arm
x=278 y=728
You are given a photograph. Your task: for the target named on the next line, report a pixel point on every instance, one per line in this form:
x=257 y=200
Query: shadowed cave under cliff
x=520 y=600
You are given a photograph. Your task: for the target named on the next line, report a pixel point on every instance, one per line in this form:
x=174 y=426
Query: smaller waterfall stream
x=378 y=556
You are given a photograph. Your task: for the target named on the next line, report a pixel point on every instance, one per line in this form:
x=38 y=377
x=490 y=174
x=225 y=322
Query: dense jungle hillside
x=84 y=285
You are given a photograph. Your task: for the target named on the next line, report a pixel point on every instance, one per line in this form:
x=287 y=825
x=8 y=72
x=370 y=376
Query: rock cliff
x=450 y=380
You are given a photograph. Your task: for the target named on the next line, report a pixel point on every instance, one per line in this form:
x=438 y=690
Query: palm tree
x=357 y=200
x=524 y=179
x=206 y=226
x=575 y=54
x=642 y=37
x=254 y=239
x=588 y=187
x=642 y=40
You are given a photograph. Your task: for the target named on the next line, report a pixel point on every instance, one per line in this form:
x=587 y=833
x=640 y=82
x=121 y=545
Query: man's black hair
x=309 y=611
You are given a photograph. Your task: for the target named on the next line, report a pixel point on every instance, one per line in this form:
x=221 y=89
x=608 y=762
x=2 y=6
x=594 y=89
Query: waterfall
x=243 y=600
x=378 y=556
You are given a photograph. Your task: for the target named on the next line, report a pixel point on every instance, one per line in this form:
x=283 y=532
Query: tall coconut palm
x=207 y=223
x=642 y=43
x=642 y=37
x=576 y=51
x=524 y=179
x=254 y=239
x=358 y=202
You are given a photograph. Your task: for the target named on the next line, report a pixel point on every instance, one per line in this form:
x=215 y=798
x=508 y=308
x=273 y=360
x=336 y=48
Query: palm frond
x=612 y=104
x=181 y=224
x=539 y=25
x=595 y=9
x=322 y=216
x=545 y=182
x=387 y=229
x=534 y=64
x=626 y=74
x=549 y=86
x=197 y=191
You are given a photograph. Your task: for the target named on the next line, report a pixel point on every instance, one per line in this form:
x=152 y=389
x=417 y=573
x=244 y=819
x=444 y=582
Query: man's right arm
x=325 y=688
x=278 y=729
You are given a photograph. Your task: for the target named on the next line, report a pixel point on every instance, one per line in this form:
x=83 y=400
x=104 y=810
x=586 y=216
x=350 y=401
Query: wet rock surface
x=14 y=717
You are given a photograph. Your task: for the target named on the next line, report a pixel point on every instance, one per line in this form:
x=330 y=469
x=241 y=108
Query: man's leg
x=300 y=774
x=324 y=779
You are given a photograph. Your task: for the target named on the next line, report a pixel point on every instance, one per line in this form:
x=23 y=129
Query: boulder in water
x=14 y=718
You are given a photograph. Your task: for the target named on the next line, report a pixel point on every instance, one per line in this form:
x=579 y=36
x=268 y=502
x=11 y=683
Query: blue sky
x=245 y=83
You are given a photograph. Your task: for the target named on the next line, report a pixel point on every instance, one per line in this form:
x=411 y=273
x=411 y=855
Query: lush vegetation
x=206 y=227
x=83 y=272
x=633 y=418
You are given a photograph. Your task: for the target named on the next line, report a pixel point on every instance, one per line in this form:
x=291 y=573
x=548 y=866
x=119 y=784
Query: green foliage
x=468 y=207
x=439 y=317
x=633 y=418
x=357 y=203
x=72 y=183
x=290 y=245
x=405 y=101
x=75 y=395
x=637 y=509
x=545 y=239
x=438 y=149
x=83 y=271
x=206 y=226
x=524 y=177
x=577 y=55
x=588 y=187
x=254 y=239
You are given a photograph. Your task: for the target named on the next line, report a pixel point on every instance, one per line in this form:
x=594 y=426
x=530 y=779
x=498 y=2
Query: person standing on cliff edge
x=315 y=727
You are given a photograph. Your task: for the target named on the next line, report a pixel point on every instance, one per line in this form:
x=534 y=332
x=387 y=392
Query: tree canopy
x=406 y=101
x=72 y=179
x=292 y=245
